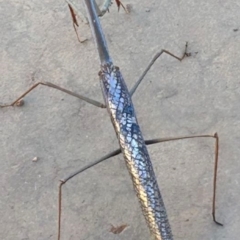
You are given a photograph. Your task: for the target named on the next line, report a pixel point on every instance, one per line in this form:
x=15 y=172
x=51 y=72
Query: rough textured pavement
x=200 y=95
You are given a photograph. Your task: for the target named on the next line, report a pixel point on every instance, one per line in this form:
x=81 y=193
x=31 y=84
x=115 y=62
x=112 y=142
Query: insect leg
x=100 y=11
x=105 y=7
x=215 y=136
x=74 y=20
x=185 y=54
x=119 y=4
x=48 y=84
x=64 y=180
x=159 y=140
x=74 y=12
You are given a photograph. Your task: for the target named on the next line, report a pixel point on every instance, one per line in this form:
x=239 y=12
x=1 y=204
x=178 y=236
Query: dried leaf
x=119 y=229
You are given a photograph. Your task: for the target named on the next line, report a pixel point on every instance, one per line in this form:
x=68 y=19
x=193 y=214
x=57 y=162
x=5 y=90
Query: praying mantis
x=103 y=106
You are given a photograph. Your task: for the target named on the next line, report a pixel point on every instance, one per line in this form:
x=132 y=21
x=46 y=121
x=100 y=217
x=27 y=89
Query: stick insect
x=132 y=144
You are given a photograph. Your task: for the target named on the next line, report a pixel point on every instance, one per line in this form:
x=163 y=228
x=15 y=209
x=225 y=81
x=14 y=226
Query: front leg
x=19 y=101
x=100 y=8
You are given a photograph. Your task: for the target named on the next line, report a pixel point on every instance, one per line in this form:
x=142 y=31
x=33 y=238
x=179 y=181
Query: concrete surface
x=198 y=96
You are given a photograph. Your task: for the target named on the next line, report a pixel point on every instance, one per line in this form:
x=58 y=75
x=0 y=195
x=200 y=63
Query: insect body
x=121 y=111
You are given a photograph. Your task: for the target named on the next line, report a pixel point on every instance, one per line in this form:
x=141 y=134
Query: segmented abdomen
x=135 y=152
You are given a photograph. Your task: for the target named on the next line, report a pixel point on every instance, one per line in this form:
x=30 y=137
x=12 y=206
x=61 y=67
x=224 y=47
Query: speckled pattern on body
x=120 y=107
x=121 y=110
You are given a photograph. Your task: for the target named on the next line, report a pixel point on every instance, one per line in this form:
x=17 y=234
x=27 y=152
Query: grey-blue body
x=123 y=117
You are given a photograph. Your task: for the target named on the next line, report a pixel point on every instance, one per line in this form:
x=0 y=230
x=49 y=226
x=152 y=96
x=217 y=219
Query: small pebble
x=35 y=159
x=147 y=10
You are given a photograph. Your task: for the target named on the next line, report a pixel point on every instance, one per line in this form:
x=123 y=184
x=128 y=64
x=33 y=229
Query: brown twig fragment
x=119 y=229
